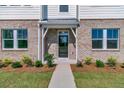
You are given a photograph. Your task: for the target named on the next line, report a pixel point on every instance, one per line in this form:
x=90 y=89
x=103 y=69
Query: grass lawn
x=99 y=80
x=24 y=80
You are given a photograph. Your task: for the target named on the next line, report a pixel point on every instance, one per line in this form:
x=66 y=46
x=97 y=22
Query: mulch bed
x=45 y=68
x=93 y=68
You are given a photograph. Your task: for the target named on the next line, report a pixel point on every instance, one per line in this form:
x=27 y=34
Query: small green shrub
x=112 y=61
x=7 y=61
x=1 y=64
x=50 y=59
x=79 y=64
x=99 y=63
x=27 y=60
x=16 y=64
x=88 y=60
x=122 y=65
x=38 y=63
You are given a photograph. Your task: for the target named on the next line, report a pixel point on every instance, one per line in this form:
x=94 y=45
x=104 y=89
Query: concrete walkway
x=62 y=77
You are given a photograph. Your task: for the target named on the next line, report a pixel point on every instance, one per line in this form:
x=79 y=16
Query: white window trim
x=15 y=38
x=15 y=49
x=15 y=42
x=105 y=41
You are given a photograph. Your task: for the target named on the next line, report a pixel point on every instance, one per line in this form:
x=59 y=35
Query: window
x=14 y=38
x=8 y=39
x=97 y=38
x=63 y=8
x=105 y=38
x=22 y=38
x=112 y=38
x=44 y=12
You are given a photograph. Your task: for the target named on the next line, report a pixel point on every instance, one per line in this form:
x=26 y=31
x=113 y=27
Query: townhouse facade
x=70 y=32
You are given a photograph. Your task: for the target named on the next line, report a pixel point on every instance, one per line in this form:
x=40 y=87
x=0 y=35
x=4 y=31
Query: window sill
x=16 y=49
x=63 y=12
x=105 y=49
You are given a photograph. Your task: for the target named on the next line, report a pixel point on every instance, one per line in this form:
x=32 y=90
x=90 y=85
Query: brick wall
x=32 y=27
x=85 y=41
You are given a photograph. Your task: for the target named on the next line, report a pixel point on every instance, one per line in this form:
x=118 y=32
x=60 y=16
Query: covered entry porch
x=59 y=37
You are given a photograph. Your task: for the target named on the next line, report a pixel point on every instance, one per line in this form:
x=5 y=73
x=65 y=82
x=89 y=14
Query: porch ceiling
x=60 y=23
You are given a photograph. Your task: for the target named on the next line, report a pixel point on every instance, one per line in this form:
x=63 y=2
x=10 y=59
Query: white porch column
x=76 y=46
x=73 y=32
x=39 y=42
x=75 y=35
x=42 y=45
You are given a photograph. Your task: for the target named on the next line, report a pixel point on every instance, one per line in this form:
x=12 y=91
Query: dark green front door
x=63 y=44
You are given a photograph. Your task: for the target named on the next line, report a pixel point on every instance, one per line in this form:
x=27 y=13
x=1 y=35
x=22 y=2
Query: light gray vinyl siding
x=85 y=12
x=54 y=13
x=19 y=12
x=101 y=12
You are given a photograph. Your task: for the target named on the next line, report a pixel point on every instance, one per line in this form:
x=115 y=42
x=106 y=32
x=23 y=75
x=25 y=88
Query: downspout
x=39 y=30
x=77 y=12
x=77 y=15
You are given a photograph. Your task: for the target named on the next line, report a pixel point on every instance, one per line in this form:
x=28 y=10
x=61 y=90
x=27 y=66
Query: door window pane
x=63 y=44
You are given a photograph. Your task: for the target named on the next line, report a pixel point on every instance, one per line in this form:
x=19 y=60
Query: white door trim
x=58 y=43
